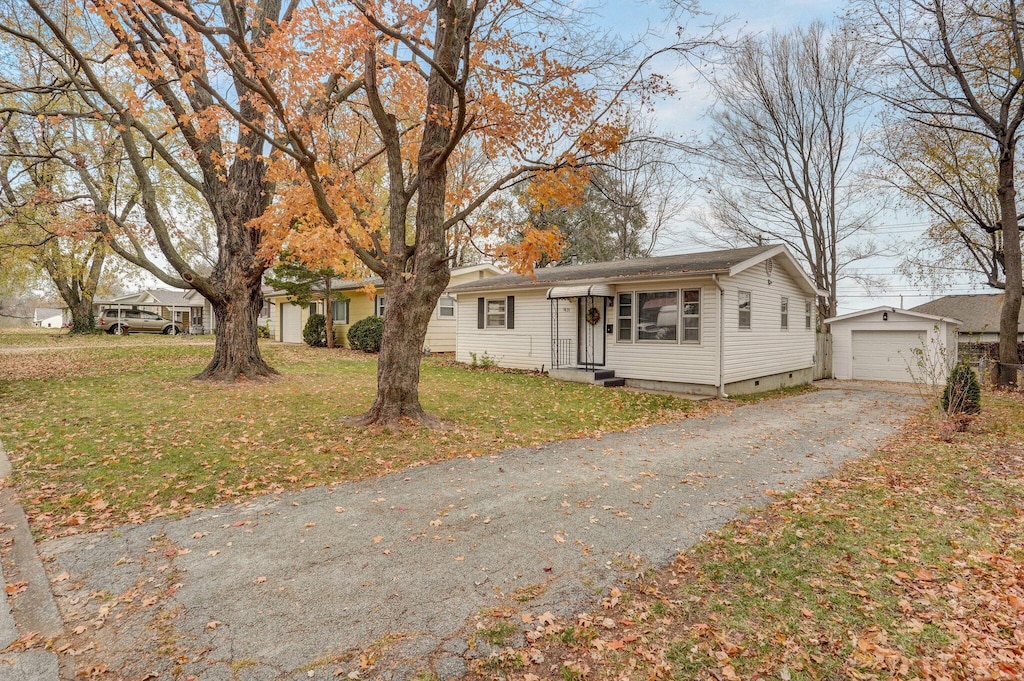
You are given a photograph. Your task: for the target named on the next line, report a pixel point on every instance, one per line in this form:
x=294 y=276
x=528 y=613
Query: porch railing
x=561 y=352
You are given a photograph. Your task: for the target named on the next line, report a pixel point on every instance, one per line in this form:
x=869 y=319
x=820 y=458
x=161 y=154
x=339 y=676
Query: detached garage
x=886 y=344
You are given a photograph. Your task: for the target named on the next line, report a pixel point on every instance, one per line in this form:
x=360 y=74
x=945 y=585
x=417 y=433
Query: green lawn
x=60 y=338
x=907 y=565
x=113 y=433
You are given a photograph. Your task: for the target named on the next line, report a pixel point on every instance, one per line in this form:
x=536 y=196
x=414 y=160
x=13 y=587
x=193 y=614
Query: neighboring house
x=888 y=344
x=291 y=318
x=978 y=315
x=188 y=308
x=723 y=322
x=48 y=317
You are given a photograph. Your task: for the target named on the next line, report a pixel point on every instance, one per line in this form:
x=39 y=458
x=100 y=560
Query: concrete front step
x=604 y=377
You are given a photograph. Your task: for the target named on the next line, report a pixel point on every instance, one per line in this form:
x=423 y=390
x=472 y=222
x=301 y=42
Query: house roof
x=894 y=310
x=979 y=313
x=355 y=284
x=730 y=261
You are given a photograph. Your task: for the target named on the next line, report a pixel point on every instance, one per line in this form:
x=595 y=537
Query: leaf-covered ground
x=110 y=434
x=906 y=565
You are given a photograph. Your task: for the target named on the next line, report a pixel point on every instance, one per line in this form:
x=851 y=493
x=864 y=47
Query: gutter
x=721 y=337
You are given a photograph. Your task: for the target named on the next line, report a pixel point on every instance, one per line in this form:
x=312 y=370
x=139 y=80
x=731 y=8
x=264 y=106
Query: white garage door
x=291 y=323
x=885 y=355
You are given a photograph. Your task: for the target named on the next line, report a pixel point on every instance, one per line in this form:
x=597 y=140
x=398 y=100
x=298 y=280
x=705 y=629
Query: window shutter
x=510 y=312
x=480 y=313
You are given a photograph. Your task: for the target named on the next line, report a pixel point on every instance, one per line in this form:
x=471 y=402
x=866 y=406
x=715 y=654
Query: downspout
x=721 y=337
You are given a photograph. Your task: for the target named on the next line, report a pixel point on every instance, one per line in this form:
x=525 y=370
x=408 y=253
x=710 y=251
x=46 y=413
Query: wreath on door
x=593 y=316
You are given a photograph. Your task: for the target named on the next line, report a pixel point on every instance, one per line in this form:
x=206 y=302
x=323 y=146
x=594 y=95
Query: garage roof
x=895 y=310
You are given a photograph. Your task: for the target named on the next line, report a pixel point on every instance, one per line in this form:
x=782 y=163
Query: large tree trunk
x=410 y=305
x=83 y=320
x=236 y=353
x=1009 y=316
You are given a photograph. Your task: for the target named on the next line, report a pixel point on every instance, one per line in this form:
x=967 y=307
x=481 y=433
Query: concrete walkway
x=383 y=578
x=29 y=611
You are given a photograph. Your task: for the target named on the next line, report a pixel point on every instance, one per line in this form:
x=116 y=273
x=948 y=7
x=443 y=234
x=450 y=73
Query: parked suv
x=119 y=322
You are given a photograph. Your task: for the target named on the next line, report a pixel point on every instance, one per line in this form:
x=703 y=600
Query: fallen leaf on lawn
x=924 y=575
x=460 y=558
x=806 y=613
x=213 y=624
x=559 y=538
x=378 y=539
x=259 y=580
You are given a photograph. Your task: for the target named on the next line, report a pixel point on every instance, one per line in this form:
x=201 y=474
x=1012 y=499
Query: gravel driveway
x=299 y=585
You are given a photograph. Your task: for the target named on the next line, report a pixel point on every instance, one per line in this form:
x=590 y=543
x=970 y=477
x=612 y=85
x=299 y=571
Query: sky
x=685 y=113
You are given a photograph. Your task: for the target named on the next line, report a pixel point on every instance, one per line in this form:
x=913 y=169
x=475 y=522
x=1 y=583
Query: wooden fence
x=823 y=356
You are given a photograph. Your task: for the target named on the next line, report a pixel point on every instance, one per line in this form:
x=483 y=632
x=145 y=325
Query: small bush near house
x=963 y=393
x=366 y=334
x=484 y=361
x=263 y=331
x=315 y=331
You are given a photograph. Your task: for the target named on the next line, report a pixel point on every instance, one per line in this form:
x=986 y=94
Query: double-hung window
x=624 y=318
x=691 y=316
x=446 y=307
x=339 y=311
x=784 y=313
x=808 y=314
x=744 y=309
x=495 y=313
x=378 y=305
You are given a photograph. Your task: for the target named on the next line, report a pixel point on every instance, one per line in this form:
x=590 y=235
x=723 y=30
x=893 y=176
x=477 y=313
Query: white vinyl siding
x=528 y=345
x=764 y=349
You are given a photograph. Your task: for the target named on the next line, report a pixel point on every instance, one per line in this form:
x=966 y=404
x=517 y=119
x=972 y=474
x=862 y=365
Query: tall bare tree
x=788 y=149
x=958 y=65
x=948 y=174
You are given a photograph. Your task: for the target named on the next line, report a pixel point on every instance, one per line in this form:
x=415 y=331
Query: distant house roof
x=662 y=267
x=978 y=313
x=156 y=296
x=46 y=312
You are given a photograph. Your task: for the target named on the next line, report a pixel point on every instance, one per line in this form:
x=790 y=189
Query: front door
x=590 y=331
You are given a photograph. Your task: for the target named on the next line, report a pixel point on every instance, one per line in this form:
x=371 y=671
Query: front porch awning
x=581 y=291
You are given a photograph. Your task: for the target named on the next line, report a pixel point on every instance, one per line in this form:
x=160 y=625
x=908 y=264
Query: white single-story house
x=48 y=317
x=889 y=344
x=978 y=314
x=716 y=323
x=291 y=318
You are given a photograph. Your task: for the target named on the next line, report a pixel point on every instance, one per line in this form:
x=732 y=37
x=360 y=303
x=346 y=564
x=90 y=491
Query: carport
x=889 y=344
